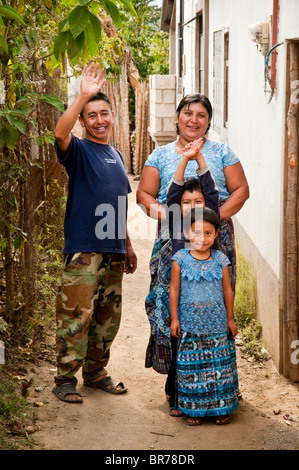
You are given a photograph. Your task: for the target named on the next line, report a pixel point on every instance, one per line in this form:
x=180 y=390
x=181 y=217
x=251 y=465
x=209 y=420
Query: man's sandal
x=108 y=385
x=65 y=390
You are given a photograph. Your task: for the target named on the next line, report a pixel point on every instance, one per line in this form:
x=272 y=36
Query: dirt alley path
x=139 y=419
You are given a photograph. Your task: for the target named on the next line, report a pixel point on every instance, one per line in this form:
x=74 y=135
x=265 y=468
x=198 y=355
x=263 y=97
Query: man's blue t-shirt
x=96 y=210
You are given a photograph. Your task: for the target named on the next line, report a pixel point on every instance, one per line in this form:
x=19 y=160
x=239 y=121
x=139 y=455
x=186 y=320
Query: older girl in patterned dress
x=201 y=306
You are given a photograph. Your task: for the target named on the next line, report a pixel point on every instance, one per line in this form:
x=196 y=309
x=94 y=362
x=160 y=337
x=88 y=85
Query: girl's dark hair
x=195 y=98
x=98 y=97
x=192 y=184
x=204 y=214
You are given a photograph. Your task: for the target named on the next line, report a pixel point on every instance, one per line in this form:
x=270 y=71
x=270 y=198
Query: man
x=89 y=301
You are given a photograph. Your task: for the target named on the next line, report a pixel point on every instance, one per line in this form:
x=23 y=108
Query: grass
x=245 y=309
x=15 y=414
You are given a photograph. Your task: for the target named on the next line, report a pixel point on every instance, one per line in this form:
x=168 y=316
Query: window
x=226 y=75
x=200 y=52
x=220 y=81
x=181 y=38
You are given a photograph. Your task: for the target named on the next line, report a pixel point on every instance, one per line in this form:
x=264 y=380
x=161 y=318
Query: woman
x=193 y=118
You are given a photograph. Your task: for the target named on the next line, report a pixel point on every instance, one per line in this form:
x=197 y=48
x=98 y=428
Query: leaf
x=19 y=241
x=78 y=20
x=62 y=24
x=3 y=244
x=69 y=3
x=49 y=139
x=11 y=13
x=91 y=43
x=61 y=42
x=3 y=136
x=3 y=45
x=111 y=8
x=13 y=135
x=21 y=6
x=74 y=48
x=93 y=34
x=20 y=125
x=94 y=7
x=53 y=100
x=97 y=26
x=129 y=6
x=84 y=2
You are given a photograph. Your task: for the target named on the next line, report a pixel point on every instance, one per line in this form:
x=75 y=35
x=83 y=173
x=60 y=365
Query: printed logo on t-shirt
x=110 y=160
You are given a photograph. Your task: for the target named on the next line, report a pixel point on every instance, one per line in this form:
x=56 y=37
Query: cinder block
x=162 y=81
x=168 y=124
x=164 y=110
x=155 y=123
x=168 y=96
x=156 y=95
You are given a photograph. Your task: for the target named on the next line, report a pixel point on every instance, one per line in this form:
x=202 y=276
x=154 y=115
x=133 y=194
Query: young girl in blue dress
x=201 y=307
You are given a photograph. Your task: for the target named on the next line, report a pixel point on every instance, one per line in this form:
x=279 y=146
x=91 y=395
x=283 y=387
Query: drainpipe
x=274 y=42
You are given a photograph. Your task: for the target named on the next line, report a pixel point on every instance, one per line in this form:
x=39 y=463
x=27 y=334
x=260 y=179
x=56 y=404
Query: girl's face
x=193 y=122
x=191 y=200
x=202 y=235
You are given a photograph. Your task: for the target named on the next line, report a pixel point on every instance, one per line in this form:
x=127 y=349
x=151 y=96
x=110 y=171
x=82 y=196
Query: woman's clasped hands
x=193 y=149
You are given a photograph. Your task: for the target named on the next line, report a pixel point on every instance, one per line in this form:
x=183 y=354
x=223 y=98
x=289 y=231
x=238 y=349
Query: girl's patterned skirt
x=207 y=378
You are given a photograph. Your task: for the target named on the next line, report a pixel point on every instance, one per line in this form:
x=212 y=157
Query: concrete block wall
x=162 y=126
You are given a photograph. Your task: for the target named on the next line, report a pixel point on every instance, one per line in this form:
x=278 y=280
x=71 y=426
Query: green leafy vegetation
x=15 y=415
x=41 y=45
x=245 y=309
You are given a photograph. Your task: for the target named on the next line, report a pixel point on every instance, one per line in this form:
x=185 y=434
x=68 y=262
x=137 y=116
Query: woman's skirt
x=159 y=351
x=207 y=377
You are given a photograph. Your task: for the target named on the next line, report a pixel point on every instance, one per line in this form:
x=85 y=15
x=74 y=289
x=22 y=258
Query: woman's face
x=193 y=122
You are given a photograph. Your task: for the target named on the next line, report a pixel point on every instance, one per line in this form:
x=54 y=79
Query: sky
x=157 y=2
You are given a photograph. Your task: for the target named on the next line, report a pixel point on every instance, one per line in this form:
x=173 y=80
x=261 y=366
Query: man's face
x=98 y=121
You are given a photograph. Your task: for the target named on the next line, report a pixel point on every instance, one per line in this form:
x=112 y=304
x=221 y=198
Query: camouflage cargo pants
x=88 y=313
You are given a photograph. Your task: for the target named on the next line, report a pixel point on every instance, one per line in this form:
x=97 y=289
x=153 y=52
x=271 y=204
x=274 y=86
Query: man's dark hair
x=98 y=97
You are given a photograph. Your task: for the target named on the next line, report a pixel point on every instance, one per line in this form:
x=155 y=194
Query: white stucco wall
x=256 y=129
x=256 y=133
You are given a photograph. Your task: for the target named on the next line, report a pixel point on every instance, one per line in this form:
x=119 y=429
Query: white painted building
x=222 y=48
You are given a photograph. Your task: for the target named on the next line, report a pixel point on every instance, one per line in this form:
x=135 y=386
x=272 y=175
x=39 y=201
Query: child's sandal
x=225 y=419
x=175 y=413
x=193 y=421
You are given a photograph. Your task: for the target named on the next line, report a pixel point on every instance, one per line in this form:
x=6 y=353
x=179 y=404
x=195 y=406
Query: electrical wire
x=267 y=75
x=267 y=61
